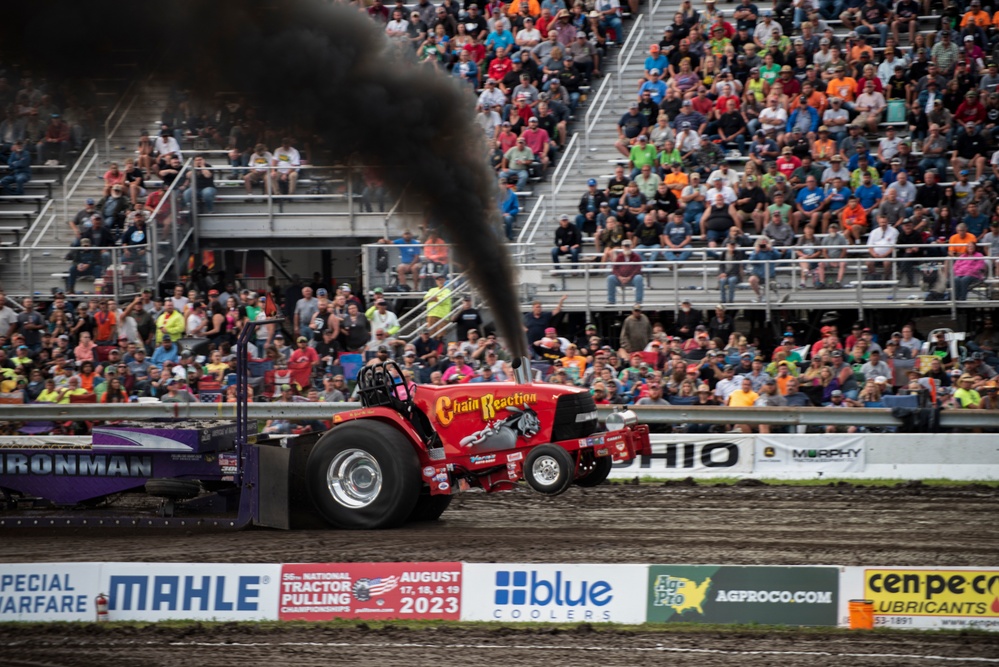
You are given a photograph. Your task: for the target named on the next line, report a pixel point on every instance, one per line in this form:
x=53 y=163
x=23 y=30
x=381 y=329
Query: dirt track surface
x=842 y=525
x=318 y=646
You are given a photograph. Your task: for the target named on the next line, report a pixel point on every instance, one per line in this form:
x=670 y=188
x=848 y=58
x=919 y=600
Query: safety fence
x=775 y=416
x=812 y=595
x=690 y=414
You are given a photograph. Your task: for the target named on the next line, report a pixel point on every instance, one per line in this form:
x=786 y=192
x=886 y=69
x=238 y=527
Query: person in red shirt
x=721 y=104
x=626 y=271
x=787 y=162
x=501 y=65
x=506 y=137
x=537 y=140
x=870 y=74
x=828 y=338
x=791 y=85
x=726 y=27
x=971 y=111
x=702 y=103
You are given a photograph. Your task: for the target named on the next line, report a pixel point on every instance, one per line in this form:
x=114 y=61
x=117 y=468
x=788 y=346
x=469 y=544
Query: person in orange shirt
x=853 y=217
x=677 y=179
x=976 y=16
x=816 y=99
x=434 y=248
x=783 y=376
x=859 y=46
x=574 y=362
x=823 y=148
x=959 y=242
x=105 y=324
x=533 y=8
x=842 y=86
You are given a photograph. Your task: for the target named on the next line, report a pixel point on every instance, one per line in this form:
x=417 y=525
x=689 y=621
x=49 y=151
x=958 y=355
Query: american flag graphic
x=382 y=585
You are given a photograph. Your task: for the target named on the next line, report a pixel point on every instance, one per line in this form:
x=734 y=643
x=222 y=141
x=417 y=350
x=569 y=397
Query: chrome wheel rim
x=354 y=478
x=546 y=470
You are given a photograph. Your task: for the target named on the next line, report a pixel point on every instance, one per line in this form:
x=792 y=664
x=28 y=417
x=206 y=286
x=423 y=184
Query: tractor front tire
x=364 y=475
x=549 y=469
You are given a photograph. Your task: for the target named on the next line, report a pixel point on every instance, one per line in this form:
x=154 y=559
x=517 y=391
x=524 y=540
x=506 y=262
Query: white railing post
x=531 y=219
x=593 y=102
x=634 y=40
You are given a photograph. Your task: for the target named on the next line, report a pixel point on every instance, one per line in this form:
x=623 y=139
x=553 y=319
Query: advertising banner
x=553 y=593
x=324 y=591
x=198 y=591
x=679 y=455
x=946 y=598
x=803 y=453
x=49 y=591
x=751 y=594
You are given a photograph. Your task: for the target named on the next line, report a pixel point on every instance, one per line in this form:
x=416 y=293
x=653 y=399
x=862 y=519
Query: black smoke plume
x=323 y=67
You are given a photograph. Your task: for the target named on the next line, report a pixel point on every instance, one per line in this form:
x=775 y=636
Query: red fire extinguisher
x=102 y=607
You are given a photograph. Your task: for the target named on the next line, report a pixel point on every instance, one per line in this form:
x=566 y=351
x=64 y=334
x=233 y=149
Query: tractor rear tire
x=597 y=473
x=167 y=487
x=364 y=474
x=429 y=508
x=549 y=469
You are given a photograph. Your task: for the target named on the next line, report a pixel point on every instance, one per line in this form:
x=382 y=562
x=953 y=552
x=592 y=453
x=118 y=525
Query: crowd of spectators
x=702 y=358
x=41 y=121
x=182 y=347
x=804 y=112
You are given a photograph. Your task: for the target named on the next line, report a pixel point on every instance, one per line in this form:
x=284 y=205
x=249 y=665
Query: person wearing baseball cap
x=629 y=127
x=568 y=240
x=589 y=207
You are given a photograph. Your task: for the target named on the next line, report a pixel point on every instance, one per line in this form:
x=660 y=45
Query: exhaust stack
x=522 y=371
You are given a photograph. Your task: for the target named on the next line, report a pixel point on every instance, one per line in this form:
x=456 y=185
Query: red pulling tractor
x=410 y=448
x=400 y=456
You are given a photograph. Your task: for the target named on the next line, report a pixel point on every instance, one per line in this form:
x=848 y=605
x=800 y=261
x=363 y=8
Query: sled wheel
x=429 y=508
x=173 y=488
x=549 y=469
x=597 y=473
x=364 y=474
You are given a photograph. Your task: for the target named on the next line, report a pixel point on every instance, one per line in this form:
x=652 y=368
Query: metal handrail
x=418 y=311
x=32 y=229
x=705 y=272
x=531 y=219
x=637 y=32
x=167 y=197
x=542 y=215
x=557 y=188
x=565 y=164
x=108 y=130
x=173 y=260
x=686 y=414
x=600 y=99
x=66 y=192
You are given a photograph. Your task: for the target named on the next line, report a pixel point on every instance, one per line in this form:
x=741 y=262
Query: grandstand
x=252 y=232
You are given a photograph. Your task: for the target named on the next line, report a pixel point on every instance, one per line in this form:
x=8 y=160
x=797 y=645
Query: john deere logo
x=769 y=452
